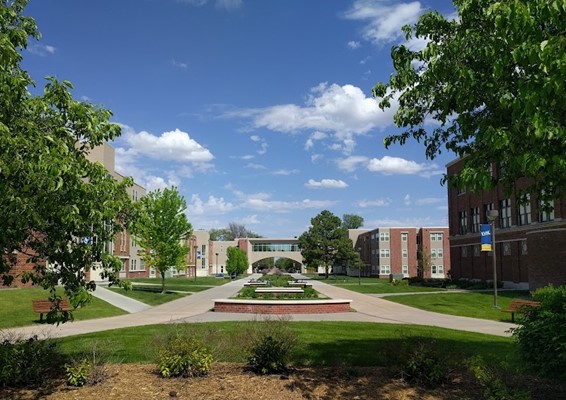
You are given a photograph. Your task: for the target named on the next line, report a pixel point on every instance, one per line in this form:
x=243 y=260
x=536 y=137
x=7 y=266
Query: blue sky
x=259 y=111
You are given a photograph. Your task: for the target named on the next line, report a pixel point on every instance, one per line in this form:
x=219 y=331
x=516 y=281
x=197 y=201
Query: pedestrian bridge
x=259 y=248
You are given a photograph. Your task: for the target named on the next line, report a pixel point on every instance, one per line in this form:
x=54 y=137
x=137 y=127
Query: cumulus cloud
x=41 y=49
x=285 y=172
x=263 y=202
x=354 y=44
x=383 y=19
x=261 y=142
x=213 y=205
x=326 y=184
x=399 y=166
x=365 y=203
x=407 y=200
x=351 y=163
x=171 y=146
x=315 y=136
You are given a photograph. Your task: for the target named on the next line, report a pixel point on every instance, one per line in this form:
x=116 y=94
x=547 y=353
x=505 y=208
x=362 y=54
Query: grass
x=371 y=285
x=151 y=296
x=323 y=343
x=16 y=309
x=183 y=284
x=475 y=305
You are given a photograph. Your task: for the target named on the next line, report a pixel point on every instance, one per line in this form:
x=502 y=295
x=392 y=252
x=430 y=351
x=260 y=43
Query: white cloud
x=228 y=5
x=250 y=220
x=262 y=202
x=427 y=201
x=407 y=200
x=344 y=111
x=315 y=136
x=179 y=64
x=407 y=222
x=399 y=166
x=262 y=144
x=256 y=166
x=354 y=44
x=351 y=163
x=326 y=184
x=383 y=19
x=213 y=205
x=316 y=158
x=255 y=138
x=171 y=146
x=41 y=49
x=286 y=172
x=365 y=203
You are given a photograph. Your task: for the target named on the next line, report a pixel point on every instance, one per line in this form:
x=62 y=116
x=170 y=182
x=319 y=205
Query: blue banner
x=485 y=231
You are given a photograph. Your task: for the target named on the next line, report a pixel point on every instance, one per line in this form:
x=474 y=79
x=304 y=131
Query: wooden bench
x=519 y=305
x=45 y=306
x=300 y=284
x=279 y=290
x=256 y=283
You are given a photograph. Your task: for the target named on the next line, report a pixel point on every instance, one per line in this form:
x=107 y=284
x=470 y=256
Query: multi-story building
x=529 y=237
x=404 y=252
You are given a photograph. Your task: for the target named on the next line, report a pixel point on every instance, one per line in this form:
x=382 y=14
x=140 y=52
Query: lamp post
x=216 y=263
x=492 y=215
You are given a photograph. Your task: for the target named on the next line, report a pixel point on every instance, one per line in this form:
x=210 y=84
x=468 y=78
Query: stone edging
x=282 y=306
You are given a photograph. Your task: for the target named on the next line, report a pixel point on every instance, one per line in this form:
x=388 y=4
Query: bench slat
x=518 y=305
x=45 y=306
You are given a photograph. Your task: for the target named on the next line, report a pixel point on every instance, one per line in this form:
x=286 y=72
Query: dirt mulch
x=228 y=381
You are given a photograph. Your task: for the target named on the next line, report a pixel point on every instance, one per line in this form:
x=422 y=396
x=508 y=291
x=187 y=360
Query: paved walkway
x=197 y=308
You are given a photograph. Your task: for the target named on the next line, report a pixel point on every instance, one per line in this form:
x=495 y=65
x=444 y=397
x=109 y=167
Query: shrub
x=25 y=361
x=423 y=365
x=78 y=372
x=269 y=356
x=89 y=369
x=126 y=285
x=183 y=355
x=541 y=335
x=493 y=386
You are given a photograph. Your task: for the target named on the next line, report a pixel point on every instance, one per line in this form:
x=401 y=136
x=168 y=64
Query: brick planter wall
x=282 y=306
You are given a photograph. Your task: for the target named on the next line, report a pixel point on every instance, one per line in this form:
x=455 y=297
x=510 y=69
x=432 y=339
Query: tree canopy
x=161 y=229
x=55 y=204
x=326 y=243
x=232 y=232
x=237 y=262
x=352 y=221
x=493 y=80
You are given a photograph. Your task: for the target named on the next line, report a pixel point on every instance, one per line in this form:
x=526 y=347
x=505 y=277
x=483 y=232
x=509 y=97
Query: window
x=122 y=241
x=524 y=249
x=476 y=250
x=463 y=222
x=433 y=269
x=461 y=190
x=545 y=211
x=475 y=214
x=405 y=270
x=524 y=207
x=384 y=270
x=505 y=213
x=464 y=251
x=436 y=237
x=123 y=269
x=133 y=265
x=432 y=253
x=506 y=248
x=142 y=265
x=440 y=253
x=404 y=236
x=384 y=253
x=486 y=208
x=384 y=236
x=405 y=253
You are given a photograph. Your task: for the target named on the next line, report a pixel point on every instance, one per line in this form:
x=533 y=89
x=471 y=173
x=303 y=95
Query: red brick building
x=529 y=242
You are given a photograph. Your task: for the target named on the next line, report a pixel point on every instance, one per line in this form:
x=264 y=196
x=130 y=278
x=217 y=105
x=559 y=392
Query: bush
x=270 y=344
x=494 y=387
x=541 y=335
x=26 y=361
x=89 y=369
x=423 y=365
x=183 y=355
x=78 y=372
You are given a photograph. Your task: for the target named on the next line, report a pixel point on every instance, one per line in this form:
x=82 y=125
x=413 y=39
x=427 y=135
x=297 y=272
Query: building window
x=384 y=253
x=524 y=249
x=142 y=265
x=440 y=253
x=405 y=253
x=384 y=270
x=461 y=190
x=524 y=207
x=436 y=237
x=404 y=236
x=123 y=269
x=546 y=211
x=506 y=248
x=433 y=269
x=464 y=251
x=432 y=253
x=486 y=208
x=476 y=250
x=463 y=222
x=405 y=270
x=122 y=241
x=475 y=214
x=505 y=213
x=384 y=236
x=133 y=265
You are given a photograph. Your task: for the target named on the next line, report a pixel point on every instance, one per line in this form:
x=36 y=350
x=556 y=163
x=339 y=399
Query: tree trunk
x=163 y=282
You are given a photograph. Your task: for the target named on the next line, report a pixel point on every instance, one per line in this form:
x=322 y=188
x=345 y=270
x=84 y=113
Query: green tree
x=161 y=229
x=220 y=235
x=232 y=232
x=494 y=80
x=326 y=243
x=237 y=262
x=352 y=221
x=55 y=204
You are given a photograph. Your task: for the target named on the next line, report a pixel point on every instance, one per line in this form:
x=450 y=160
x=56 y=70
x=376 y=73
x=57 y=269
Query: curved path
x=197 y=308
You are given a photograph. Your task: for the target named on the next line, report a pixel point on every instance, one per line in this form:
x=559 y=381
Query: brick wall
x=547 y=258
x=283 y=307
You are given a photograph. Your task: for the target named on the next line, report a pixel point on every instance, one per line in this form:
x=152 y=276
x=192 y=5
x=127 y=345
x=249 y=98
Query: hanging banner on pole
x=485 y=231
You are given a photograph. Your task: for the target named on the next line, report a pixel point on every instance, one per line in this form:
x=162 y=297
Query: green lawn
x=151 y=296
x=474 y=304
x=371 y=285
x=323 y=343
x=16 y=309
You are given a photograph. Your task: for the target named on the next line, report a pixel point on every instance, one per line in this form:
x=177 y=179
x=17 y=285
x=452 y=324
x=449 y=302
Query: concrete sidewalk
x=197 y=308
x=125 y=303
